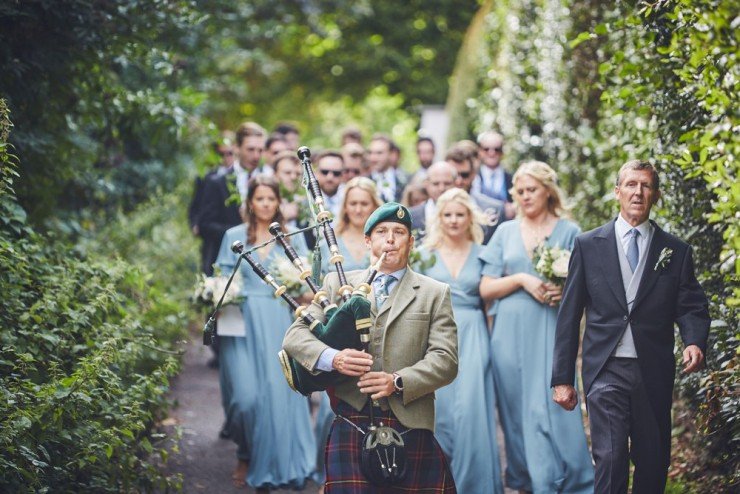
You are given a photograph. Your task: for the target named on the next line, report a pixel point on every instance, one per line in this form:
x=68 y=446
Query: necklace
x=535 y=233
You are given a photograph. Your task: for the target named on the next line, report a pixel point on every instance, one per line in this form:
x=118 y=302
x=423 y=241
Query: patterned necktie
x=633 y=251
x=381 y=294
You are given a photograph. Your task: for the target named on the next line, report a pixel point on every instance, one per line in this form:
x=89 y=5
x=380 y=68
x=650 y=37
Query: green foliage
x=269 y=60
x=588 y=85
x=378 y=112
x=534 y=90
x=85 y=354
x=92 y=87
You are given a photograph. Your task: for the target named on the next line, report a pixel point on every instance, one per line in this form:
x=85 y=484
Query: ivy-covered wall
x=585 y=86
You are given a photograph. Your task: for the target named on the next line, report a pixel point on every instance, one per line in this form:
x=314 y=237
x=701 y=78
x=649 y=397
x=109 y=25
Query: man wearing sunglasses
x=493 y=209
x=492 y=179
x=329 y=170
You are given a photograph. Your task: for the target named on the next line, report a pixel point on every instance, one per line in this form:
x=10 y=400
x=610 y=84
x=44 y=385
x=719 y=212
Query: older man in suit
x=413 y=352
x=634 y=281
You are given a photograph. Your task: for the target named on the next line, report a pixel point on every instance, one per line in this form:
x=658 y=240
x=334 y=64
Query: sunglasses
x=464 y=174
x=336 y=173
x=226 y=153
x=498 y=149
x=352 y=171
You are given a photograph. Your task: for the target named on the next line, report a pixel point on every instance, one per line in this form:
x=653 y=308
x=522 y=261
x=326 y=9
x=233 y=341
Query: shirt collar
x=396 y=274
x=622 y=227
x=491 y=172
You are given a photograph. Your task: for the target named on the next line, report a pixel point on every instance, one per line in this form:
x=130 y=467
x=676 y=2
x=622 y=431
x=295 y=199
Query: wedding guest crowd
x=483 y=231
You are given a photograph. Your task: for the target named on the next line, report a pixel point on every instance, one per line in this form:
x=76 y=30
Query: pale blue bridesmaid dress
x=546 y=450
x=269 y=421
x=465 y=420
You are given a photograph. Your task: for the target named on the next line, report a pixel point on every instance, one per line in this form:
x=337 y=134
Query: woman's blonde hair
x=435 y=234
x=362 y=183
x=544 y=174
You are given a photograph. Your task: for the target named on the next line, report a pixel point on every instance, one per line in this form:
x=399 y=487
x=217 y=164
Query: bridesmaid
x=546 y=449
x=465 y=409
x=269 y=422
x=359 y=201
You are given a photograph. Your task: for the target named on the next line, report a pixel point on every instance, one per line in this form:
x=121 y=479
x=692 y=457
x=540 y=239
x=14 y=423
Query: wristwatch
x=398 y=383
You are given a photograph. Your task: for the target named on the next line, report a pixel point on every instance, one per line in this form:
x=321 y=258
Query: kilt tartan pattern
x=427 y=467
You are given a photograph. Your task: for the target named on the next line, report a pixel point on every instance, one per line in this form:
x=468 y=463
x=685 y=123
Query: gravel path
x=204 y=461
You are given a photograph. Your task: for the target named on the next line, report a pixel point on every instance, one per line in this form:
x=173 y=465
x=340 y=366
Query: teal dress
x=349 y=263
x=269 y=422
x=546 y=449
x=465 y=419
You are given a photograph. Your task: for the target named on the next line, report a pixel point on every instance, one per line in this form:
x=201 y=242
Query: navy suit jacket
x=216 y=216
x=666 y=295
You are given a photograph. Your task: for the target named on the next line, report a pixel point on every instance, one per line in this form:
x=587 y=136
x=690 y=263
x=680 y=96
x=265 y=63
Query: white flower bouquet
x=208 y=291
x=551 y=263
x=287 y=274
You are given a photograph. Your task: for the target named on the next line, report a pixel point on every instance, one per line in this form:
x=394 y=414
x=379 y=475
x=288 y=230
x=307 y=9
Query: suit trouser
x=619 y=410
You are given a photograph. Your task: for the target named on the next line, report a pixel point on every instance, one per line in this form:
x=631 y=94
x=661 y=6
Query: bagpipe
x=346 y=326
x=383 y=457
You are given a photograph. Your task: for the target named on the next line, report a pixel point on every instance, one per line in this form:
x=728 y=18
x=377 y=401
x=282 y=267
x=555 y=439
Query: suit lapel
x=405 y=294
x=607 y=243
x=650 y=275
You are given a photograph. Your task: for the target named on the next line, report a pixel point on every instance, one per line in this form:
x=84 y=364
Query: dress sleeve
x=226 y=259
x=493 y=255
x=570 y=237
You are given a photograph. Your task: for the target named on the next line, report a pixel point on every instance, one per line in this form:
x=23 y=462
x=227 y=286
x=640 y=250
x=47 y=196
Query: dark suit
x=196 y=203
x=665 y=295
x=216 y=216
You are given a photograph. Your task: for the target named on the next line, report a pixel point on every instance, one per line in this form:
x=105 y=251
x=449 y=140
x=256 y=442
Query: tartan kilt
x=427 y=467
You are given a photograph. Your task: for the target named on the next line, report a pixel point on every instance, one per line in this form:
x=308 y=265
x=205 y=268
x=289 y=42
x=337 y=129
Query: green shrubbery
x=86 y=347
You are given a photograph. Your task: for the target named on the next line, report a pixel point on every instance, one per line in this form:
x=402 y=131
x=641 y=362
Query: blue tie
x=384 y=283
x=633 y=251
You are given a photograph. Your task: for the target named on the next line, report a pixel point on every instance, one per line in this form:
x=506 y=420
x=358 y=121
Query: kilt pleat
x=428 y=470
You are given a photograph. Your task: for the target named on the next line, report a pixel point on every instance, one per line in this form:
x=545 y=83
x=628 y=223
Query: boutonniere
x=663 y=259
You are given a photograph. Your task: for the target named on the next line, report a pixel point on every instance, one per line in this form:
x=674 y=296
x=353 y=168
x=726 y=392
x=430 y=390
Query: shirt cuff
x=326 y=360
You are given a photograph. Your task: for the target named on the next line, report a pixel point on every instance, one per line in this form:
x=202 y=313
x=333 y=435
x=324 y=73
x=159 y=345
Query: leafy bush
x=85 y=351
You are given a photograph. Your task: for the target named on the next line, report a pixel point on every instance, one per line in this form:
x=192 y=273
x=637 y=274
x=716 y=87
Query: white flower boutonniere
x=664 y=259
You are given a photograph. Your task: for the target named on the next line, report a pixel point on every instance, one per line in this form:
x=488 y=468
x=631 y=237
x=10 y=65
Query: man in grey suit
x=634 y=281
x=413 y=352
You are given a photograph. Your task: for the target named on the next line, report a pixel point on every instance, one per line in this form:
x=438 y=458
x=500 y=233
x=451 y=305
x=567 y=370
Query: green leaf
x=580 y=39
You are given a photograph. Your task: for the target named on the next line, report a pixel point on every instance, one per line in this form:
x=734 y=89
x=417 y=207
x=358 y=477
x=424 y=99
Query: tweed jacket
x=414 y=334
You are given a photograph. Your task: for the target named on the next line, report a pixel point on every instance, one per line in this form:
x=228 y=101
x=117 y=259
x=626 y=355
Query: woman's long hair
x=250 y=219
x=544 y=174
x=435 y=235
x=362 y=183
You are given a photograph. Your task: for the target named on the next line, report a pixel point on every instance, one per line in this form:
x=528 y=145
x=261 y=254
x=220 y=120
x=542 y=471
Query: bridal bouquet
x=209 y=289
x=287 y=274
x=551 y=263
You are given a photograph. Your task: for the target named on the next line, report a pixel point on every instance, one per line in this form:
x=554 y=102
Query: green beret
x=390 y=211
